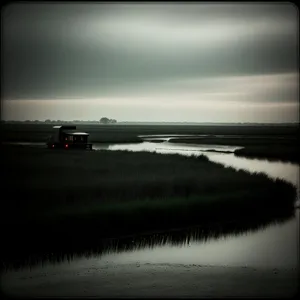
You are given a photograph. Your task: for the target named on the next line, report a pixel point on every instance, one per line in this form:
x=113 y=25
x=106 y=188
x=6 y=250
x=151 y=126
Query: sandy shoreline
x=150 y=280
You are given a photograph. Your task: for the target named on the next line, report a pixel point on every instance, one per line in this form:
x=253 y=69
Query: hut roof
x=76 y=133
x=64 y=127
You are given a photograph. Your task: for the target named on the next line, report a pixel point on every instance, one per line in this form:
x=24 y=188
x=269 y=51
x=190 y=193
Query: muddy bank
x=150 y=280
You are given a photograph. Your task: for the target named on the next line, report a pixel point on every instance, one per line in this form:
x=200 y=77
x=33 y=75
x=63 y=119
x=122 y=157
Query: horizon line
x=118 y=122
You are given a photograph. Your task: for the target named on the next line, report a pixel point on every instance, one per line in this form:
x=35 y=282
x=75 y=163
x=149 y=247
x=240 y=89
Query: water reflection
x=271 y=241
x=274 y=169
x=175 y=238
x=166 y=147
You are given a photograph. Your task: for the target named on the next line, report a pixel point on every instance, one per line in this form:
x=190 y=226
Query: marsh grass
x=40 y=133
x=122 y=133
x=275 y=152
x=273 y=148
x=66 y=249
x=61 y=198
x=269 y=142
x=240 y=140
x=135 y=189
x=68 y=202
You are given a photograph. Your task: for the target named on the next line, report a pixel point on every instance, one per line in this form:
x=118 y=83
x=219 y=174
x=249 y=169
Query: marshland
x=277 y=142
x=118 y=193
x=136 y=194
x=190 y=185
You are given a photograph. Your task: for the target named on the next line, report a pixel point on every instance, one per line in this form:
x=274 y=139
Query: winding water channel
x=183 y=262
x=274 y=245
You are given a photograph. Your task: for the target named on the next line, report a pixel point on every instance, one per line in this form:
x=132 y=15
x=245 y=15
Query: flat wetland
x=63 y=202
x=117 y=193
x=259 y=141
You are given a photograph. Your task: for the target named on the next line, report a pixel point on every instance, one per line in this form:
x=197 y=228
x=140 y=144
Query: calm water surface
x=273 y=246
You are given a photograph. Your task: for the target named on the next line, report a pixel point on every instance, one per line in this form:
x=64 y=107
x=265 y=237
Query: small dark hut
x=67 y=137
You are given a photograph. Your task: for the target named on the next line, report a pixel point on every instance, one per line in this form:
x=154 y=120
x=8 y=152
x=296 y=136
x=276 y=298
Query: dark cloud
x=90 y=50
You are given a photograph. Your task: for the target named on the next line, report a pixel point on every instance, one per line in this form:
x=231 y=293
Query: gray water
x=275 y=246
x=165 y=147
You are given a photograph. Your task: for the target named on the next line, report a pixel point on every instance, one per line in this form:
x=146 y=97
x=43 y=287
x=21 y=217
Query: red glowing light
x=66 y=145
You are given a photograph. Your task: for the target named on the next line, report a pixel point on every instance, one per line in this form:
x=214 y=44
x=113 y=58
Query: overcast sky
x=151 y=62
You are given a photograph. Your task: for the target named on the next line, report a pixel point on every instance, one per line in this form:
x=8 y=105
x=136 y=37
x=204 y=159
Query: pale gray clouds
x=157 y=56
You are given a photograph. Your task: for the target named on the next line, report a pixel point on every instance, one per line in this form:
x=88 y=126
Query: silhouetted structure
x=67 y=137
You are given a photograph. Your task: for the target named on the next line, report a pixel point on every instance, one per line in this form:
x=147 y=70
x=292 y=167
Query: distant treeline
x=113 y=121
x=58 y=122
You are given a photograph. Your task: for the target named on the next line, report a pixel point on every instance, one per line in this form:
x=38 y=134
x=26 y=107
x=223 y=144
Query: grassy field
x=122 y=133
x=271 y=142
x=271 y=152
x=283 y=148
x=79 y=195
x=64 y=249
